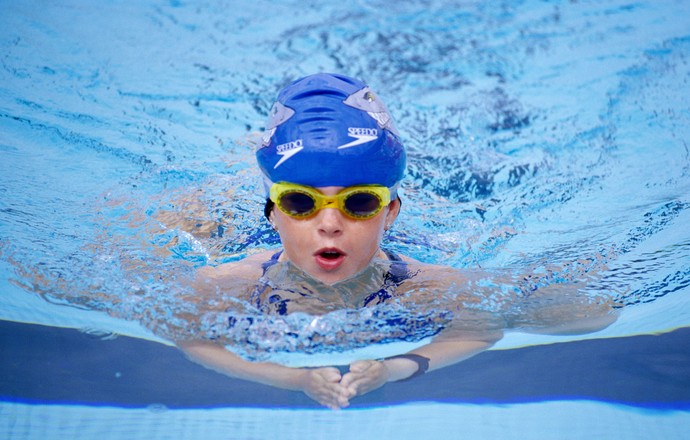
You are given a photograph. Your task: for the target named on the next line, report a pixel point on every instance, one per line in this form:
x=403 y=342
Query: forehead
x=326 y=190
x=330 y=190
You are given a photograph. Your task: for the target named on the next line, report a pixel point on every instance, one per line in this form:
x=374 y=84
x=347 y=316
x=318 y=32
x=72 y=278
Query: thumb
x=331 y=374
x=360 y=366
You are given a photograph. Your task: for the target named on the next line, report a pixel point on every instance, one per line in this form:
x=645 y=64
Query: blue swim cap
x=331 y=130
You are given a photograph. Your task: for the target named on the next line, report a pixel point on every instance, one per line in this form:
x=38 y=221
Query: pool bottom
x=50 y=365
x=559 y=419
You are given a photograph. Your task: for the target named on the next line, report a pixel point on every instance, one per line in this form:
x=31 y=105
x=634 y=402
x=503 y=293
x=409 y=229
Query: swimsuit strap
x=398 y=271
x=272 y=261
x=261 y=286
x=396 y=275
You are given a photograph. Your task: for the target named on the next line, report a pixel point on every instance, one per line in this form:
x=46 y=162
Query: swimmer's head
x=331 y=130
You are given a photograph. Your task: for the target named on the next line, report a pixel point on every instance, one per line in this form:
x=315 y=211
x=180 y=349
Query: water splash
x=547 y=141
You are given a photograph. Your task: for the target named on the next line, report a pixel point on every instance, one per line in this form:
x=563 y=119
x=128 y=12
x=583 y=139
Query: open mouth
x=330 y=255
x=330 y=258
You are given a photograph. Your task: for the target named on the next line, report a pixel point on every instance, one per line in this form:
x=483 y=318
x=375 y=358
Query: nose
x=330 y=222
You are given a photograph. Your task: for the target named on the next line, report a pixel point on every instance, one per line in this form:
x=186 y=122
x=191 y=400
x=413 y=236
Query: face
x=330 y=246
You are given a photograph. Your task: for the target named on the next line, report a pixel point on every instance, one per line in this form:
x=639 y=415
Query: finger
x=361 y=383
x=349 y=378
x=334 y=397
x=360 y=366
x=335 y=406
x=355 y=382
x=329 y=374
x=358 y=385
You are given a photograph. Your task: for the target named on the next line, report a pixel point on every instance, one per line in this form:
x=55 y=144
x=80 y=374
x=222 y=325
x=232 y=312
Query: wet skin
x=329 y=246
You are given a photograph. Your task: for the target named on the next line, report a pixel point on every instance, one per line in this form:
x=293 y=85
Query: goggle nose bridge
x=330 y=203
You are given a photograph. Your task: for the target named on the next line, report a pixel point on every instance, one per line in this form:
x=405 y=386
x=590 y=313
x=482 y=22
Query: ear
x=393 y=211
x=271 y=220
x=268 y=210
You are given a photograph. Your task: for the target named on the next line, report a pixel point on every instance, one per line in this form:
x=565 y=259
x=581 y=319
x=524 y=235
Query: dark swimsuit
x=389 y=323
x=396 y=274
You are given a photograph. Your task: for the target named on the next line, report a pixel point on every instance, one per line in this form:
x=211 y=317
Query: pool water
x=540 y=135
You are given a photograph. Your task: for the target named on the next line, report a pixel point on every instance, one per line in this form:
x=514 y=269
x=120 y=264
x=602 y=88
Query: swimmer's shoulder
x=249 y=268
x=418 y=267
x=435 y=275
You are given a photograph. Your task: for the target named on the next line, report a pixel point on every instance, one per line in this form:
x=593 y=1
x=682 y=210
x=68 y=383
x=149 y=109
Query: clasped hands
x=334 y=390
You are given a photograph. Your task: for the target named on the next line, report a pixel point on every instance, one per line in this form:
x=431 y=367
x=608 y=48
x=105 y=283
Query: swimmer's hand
x=323 y=385
x=366 y=376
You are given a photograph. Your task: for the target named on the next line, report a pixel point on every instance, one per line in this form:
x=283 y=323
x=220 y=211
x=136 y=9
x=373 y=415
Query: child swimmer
x=332 y=163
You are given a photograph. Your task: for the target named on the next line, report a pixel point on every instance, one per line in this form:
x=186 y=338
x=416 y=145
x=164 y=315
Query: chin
x=330 y=279
x=337 y=276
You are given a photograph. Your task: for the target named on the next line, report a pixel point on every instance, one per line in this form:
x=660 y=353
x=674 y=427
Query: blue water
x=540 y=135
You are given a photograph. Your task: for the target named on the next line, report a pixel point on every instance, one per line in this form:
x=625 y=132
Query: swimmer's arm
x=223 y=361
x=562 y=310
x=440 y=354
x=578 y=326
x=366 y=376
x=320 y=384
x=248 y=268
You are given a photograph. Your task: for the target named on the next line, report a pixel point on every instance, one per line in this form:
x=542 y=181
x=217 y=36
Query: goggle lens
x=362 y=204
x=296 y=204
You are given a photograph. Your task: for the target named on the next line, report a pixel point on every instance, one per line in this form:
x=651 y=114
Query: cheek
x=373 y=231
x=282 y=222
x=292 y=233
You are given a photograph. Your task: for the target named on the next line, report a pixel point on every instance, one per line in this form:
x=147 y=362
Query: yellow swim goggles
x=356 y=202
